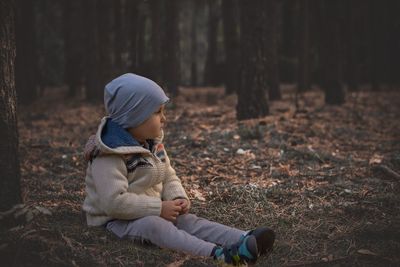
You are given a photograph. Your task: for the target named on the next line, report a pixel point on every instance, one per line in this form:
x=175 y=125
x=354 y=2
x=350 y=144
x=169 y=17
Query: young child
x=132 y=190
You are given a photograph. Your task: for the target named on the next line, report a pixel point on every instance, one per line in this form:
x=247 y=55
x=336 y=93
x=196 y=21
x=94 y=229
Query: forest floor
x=325 y=178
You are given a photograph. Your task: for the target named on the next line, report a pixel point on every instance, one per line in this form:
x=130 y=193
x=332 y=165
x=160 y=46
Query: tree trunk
x=393 y=39
x=26 y=58
x=289 y=42
x=273 y=18
x=231 y=45
x=353 y=39
x=94 y=87
x=156 y=7
x=303 y=70
x=193 y=68
x=211 y=65
x=252 y=100
x=373 y=45
x=133 y=22
x=104 y=24
x=171 y=57
x=136 y=36
x=119 y=37
x=10 y=192
x=73 y=46
x=331 y=58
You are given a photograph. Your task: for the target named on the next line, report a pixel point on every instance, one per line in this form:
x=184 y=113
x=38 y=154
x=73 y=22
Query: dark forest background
x=338 y=45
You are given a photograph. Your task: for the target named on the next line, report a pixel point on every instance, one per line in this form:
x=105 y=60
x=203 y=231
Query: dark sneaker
x=243 y=252
x=265 y=239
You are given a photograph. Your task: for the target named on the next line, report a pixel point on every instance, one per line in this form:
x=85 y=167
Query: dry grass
x=311 y=176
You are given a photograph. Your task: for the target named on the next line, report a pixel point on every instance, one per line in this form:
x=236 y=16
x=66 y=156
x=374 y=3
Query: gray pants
x=190 y=234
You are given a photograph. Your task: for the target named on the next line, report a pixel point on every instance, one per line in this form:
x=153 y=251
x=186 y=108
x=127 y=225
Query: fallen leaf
x=376 y=159
x=197 y=194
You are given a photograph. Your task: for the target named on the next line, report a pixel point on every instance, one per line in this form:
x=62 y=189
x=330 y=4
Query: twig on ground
x=385 y=169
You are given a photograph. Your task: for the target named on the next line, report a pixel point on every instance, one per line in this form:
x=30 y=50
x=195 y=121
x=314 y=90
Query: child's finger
x=177 y=208
x=178 y=201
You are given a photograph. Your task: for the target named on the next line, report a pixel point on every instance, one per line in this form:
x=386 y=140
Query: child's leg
x=209 y=231
x=161 y=233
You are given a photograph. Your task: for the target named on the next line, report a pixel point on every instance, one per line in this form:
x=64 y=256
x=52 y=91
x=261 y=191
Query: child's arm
x=172 y=186
x=109 y=175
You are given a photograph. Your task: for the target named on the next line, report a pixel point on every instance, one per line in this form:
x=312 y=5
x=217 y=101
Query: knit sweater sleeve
x=111 y=183
x=172 y=186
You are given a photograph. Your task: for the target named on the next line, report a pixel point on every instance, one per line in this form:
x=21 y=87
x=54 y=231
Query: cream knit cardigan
x=113 y=193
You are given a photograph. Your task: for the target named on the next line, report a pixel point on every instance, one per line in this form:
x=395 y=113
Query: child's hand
x=185 y=204
x=171 y=209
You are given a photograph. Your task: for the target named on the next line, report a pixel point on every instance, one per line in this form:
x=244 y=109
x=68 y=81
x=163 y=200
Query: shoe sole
x=265 y=239
x=251 y=245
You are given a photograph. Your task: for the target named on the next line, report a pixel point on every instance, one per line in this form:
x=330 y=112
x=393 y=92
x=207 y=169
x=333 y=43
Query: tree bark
x=10 y=192
x=252 y=100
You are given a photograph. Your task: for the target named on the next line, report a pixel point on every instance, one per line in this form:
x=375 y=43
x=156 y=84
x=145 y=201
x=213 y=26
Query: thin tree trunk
x=210 y=66
x=141 y=42
x=104 y=24
x=353 y=39
x=330 y=52
x=119 y=37
x=193 y=68
x=289 y=41
x=73 y=46
x=373 y=45
x=303 y=72
x=10 y=192
x=171 y=65
x=252 y=100
x=156 y=37
x=273 y=17
x=394 y=42
x=133 y=29
x=26 y=59
x=231 y=39
x=94 y=87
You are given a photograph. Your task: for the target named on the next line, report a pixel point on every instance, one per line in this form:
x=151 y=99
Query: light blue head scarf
x=130 y=99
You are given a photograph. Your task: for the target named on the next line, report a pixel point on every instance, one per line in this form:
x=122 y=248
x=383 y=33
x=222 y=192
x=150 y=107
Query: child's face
x=151 y=128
